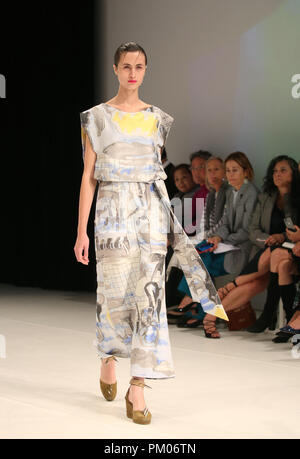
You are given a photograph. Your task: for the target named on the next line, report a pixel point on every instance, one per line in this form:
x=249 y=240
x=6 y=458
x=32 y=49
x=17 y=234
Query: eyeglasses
x=199 y=168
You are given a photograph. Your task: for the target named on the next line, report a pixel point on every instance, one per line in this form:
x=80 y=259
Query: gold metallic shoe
x=139 y=417
x=109 y=391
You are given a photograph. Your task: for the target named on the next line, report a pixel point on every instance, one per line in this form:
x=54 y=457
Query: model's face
x=183 y=180
x=282 y=174
x=198 y=170
x=131 y=69
x=235 y=174
x=215 y=173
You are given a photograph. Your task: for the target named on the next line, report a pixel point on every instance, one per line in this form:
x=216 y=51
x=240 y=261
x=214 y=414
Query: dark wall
x=48 y=59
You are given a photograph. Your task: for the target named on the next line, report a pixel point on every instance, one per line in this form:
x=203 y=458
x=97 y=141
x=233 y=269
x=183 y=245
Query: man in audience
x=198 y=160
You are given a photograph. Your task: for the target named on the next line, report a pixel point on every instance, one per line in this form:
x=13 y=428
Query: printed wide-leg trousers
x=131 y=245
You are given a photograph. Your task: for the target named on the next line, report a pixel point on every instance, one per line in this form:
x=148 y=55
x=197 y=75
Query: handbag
x=241 y=317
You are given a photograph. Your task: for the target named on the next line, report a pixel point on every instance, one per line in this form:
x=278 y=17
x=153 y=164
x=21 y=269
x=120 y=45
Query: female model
x=122 y=141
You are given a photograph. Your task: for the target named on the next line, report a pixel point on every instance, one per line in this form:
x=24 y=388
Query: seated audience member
x=168 y=168
x=293 y=326
x=213 y=218
x=185 y=188
x=197 y=168
x=241 y=198
x=186 y=208
x=214 y=211
x=287 y=265
x=267 y=231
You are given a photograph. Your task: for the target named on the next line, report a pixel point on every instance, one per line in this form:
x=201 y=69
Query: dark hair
x=181 y=166
x=200 y=154
x=242 y=160
x=130 y=46
x=268 y=185
x=164 y=153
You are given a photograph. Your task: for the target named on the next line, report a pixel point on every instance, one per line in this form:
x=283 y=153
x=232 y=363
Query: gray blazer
x=261 y=219
x=235 y=229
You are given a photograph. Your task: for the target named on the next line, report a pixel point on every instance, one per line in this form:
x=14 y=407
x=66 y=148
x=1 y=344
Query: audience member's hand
x=275 y=239
x=293 y=236
x=296 y=249
x=215 y=241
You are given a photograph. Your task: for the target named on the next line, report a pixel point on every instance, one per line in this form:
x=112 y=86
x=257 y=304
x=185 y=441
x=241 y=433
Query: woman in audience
x=287 y=265
x=267 y=231
x=213 y=218
x=183 y=180
x=293 y=326
x=186 y=188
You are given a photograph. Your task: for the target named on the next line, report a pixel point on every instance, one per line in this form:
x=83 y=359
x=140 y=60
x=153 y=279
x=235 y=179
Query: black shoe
x=173 y=318
x=267 y=317
x=282 y=337
x=182 y=322
x=285 y=333
x=260 y=325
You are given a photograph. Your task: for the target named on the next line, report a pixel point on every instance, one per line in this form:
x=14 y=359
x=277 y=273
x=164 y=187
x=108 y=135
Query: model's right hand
x=82 y=245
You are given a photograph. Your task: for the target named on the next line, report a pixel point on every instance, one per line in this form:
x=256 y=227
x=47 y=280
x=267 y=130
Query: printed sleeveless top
x=127 y=145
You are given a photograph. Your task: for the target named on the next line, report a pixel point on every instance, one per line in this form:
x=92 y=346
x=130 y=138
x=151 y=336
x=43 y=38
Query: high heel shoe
x=138 y=416
x=109 y=391
x=198 y=319
x=181 y=311
x=210 y=329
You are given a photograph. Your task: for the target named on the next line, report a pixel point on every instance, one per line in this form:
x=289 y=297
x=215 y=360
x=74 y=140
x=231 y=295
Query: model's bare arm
x=87 y=191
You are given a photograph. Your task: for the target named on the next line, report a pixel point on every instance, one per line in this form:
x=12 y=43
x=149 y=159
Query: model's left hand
x=293 y=236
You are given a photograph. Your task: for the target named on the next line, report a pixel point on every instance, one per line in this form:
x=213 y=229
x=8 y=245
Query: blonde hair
x=212 y=158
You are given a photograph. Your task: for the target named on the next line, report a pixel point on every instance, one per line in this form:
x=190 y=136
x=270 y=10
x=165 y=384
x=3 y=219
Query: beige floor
x=241 y=386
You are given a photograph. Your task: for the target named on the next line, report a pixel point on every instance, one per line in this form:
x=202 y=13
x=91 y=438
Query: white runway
x=240 y=386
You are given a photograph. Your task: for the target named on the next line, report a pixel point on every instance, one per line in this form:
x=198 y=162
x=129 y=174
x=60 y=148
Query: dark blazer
x=235 y=229
x=261 y=219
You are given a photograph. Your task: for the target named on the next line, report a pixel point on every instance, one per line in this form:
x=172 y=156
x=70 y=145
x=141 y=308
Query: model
x=122 y=141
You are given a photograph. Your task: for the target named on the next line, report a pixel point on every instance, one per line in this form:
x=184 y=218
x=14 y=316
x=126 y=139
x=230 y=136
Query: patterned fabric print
x=198 y=279
x=130 y=253
x=132 y=222
x=126 y=144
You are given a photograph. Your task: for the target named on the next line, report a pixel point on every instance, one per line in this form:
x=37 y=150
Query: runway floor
x=240 y=386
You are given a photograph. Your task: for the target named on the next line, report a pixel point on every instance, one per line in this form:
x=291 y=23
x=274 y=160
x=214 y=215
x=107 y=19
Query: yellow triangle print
x=133 y=123
x=220 y=312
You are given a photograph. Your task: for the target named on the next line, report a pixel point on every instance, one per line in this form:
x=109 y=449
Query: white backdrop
x=221 y=68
